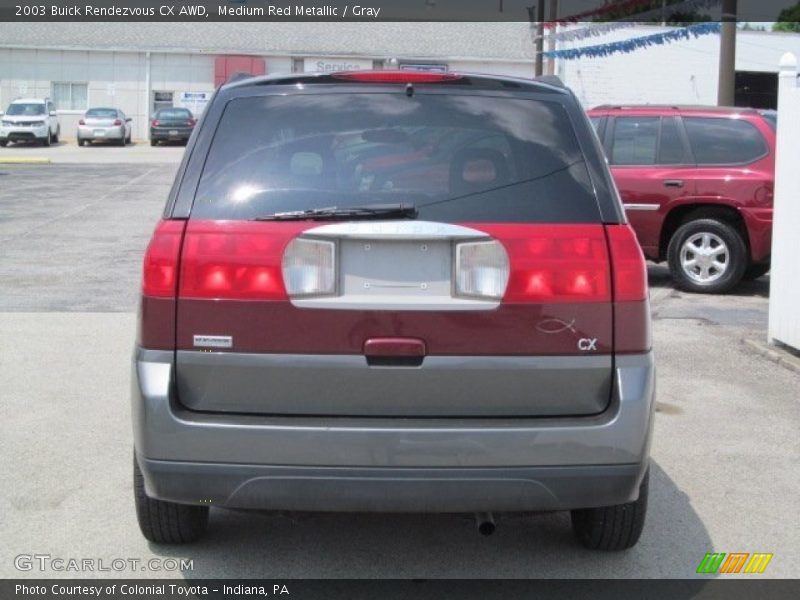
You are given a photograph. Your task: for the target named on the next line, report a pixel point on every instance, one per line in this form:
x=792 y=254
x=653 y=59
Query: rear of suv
x=30 y=120
x=697 y=183
x=171 y=125
x=393 y=291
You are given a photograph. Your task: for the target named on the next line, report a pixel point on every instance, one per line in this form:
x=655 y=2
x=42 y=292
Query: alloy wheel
x=704 y=257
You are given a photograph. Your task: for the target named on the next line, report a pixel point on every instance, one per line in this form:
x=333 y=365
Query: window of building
x=70 y=96
x=724 y=141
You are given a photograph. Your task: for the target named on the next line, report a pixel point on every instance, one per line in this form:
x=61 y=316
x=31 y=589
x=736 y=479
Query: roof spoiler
x=553 y=80
x=238 y=76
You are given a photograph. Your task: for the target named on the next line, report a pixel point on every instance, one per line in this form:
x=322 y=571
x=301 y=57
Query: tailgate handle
x=394 y=352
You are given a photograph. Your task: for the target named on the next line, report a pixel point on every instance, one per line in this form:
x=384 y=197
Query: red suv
x=697 y=186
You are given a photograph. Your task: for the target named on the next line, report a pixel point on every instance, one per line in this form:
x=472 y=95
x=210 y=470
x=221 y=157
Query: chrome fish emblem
x=555 y=325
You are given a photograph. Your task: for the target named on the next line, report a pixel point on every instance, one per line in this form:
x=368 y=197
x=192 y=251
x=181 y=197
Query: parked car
x=30 y=120
x=105 y=125
x=394 y=291
x=171 y=125
x=697 y=183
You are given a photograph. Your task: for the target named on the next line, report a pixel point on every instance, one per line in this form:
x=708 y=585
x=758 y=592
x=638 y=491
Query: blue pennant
x=626 y=46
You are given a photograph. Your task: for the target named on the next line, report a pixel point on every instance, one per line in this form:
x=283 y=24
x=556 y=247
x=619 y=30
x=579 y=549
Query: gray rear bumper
x=391 y=490
x=391 y=464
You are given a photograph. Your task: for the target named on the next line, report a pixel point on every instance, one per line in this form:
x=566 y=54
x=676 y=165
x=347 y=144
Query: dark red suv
x=697 y=186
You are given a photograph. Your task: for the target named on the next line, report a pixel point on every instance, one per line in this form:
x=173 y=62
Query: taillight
x=238 y=260
x=191 y=122
x=117 y=122
x=159 y=276
x=630 y=270
x=309 y=267
x=396 y=76
x=554 y=263
x=482 y=269
x=81 y=122
x=154 y=123
x=631 y=310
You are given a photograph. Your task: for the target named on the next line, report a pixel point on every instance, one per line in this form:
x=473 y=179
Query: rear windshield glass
x=102 y=113
x=455 y=157
x=174 y=113
x=25 y=110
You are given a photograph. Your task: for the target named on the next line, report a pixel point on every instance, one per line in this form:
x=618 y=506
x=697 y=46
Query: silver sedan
x=104 y=124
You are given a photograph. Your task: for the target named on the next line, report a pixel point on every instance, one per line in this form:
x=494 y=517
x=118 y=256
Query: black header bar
x=682 y=11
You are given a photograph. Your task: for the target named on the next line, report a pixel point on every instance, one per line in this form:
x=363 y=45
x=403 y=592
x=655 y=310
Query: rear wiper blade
x=370 y=211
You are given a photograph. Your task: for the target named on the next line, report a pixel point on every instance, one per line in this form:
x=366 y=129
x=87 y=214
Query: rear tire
x=3 y=144
x=57 y=136
x=612 y=528
x=166 y=522
x=81 y=142
x=755 y=271
x=153 y=142
x=686 y=256
x=48 y=140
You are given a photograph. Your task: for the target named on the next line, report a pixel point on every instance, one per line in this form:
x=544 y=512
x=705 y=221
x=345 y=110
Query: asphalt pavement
x=725 y=449
x=67 y=151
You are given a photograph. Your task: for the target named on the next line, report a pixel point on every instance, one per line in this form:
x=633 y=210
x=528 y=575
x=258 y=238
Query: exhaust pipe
x=485 y=523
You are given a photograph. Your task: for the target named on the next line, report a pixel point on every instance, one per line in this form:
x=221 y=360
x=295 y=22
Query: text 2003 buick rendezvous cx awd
x=394 y=291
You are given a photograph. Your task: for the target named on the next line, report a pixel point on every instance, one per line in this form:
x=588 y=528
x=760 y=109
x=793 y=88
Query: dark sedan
x=171 y=125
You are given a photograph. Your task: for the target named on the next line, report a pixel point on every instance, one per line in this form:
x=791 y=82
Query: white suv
x=30 y=120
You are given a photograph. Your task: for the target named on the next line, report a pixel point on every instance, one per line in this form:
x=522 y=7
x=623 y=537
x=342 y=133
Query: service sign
x=330 y=65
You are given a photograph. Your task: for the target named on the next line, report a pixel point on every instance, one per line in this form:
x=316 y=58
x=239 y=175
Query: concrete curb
x=24 y=160
x=775 y=354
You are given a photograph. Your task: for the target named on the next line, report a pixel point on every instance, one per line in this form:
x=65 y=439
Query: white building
x=139 y=67
x=682 y=72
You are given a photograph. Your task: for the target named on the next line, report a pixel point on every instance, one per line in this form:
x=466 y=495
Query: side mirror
x=53 y=113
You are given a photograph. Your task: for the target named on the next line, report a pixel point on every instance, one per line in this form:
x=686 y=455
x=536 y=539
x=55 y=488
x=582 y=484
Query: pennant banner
x=598 y=29
x=683 y=33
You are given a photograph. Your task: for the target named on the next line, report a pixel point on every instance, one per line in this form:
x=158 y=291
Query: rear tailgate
x=173 y=120
x=395 y=335
x=100 y=122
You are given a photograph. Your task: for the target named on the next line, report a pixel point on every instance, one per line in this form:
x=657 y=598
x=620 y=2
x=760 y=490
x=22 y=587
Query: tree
x=788 y=19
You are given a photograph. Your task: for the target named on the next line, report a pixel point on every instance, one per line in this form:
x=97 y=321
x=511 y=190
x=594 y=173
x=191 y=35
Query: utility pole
x=727 y=55
x=552 y=15
x=538 y=18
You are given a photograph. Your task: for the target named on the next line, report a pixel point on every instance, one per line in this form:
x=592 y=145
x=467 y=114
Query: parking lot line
x=24 y=160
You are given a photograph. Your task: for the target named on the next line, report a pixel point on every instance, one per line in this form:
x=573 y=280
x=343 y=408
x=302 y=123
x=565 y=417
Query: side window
x=721 y=141
x=70 y=96
x=670 y=146
x=635 y=141
x=598 y=123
